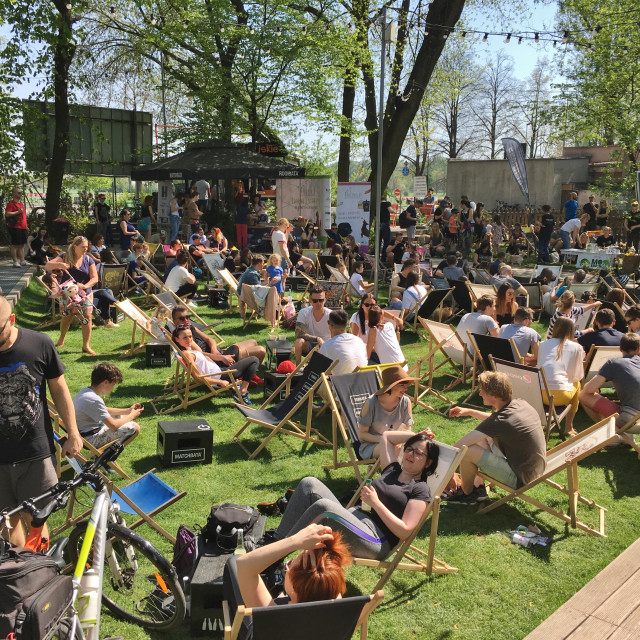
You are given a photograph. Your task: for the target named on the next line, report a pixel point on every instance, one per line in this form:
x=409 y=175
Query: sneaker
x=16 y=264
x=460 y=497
x=192 y=305
x=24 y=263
x=481 y=493
x=245 y=398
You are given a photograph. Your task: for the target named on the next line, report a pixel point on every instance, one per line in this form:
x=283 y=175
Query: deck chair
x=323 y=261
x=620 y=323
x=564 y=457
x=144 y=498
x=479 y=290
x=480 y=276
x=406 y=556
x=462 y=297
x=580 y=288
x=267 y=307
x=384 y=272
x=168 y=299
x=528 y=383
x=596 y=358
x=332 y=292
x=585 y=320
x=188 y=379
x=534 y=297
x=60 y=429
x=227 y=277
x=624 y=432
x=280 y=417
x=556 y=269
x=148 y=267
x=434 y=300
x=320 y=620
x=140 y=320
x=51 y=307
x=443 y=340
x=214 y=263
x=437 y=283
x=351 y=391
x=612 y=283
x=348 y=290
x=113 y=276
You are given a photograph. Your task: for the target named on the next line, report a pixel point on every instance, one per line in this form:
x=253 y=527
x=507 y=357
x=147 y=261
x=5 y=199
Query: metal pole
x=164 y=106
x=383 y=22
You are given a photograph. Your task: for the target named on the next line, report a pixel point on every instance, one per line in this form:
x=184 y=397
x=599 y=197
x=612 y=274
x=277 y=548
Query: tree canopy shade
x=219 y=160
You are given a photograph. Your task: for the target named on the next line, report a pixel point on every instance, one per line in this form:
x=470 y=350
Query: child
x=159 y=318
x=497 y=230
x=137 y=249
x=97 y=423
x=565 y=308
x=276 y=273
x=357 y=281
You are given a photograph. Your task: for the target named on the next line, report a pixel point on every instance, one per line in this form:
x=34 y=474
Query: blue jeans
x=175 y=224
x=566 y=242
x=543 y=250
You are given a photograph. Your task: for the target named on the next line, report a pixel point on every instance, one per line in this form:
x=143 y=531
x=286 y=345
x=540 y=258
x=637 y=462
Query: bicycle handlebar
x=60 y=491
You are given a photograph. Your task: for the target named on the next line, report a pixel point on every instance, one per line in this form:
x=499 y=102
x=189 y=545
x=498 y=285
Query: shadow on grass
x=620 y=469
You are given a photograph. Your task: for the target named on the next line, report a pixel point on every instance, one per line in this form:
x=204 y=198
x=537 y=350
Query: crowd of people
x=508 y=444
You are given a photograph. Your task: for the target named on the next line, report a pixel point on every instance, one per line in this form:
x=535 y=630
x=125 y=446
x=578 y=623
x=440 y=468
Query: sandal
x=568 y=434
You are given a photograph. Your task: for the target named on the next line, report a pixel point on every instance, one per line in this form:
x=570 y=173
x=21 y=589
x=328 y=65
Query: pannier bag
x=224 y=522
x=33 y=596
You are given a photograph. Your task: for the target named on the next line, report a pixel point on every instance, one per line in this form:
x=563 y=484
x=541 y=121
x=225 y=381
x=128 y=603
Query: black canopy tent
x=218 y=160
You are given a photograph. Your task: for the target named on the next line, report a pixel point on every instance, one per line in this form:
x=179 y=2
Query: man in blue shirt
x=571 y=207
x=604 y=334
x=253 y=275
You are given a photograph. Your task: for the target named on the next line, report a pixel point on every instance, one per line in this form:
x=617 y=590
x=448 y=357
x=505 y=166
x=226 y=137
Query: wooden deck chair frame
x=113 y=276
x=623 y=431
x=564 y=457
x=529 y=383
x=383 y=269
x=597 y=356
x=483 y=347
x=143 y=517
x=323 y=261
x=441 y=336
x=348 y=290
x=59 y=428
x=480 y=275
x=628 y=299
x=534 y=297
x=139 y=319
x=479 y=290
x=462 y=296
x=227 y=277
x=214 y=263
x=188 y=379
x=556 y=269
x=405 y=555
x=581 y=287
x=288 y=426
x=168 y=299
x=341 y=424
x=413 y=313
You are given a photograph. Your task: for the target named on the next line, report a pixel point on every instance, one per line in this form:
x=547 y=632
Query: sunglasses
x=368 y=304
x=314 y=300
x=183 y=326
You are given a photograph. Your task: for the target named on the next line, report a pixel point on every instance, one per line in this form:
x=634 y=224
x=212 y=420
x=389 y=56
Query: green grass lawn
x=501 y=591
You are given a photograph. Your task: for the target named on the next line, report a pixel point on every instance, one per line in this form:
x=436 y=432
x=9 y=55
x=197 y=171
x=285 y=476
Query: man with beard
x=29 y=363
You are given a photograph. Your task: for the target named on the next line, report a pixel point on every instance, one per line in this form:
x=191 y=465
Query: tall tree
x=492 y=102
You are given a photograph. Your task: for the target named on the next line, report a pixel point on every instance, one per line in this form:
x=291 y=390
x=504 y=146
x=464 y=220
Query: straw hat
x=391 y=376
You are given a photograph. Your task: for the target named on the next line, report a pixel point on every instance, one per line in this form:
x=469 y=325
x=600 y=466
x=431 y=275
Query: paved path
x=14 y=281
x=607 y=607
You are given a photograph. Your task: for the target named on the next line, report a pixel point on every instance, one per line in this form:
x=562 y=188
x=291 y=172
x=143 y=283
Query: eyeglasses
x=183 y=318
x=415 y=452
x=183 y=326
x=368 y=304
x=314 y=300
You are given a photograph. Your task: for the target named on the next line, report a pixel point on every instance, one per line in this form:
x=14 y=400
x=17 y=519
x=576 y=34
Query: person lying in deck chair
x=507 y=445
x=399 y=497
x=206 y=366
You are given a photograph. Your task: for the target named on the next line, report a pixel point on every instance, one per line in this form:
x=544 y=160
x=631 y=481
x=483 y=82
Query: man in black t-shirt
x=507 y=445
x=385 y=224
x=592 y=209
x=547 y=223
x=632 y=225
x=102 y=214
x=29 y=363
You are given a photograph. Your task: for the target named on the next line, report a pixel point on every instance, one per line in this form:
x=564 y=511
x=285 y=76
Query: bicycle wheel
x=140 y=585
x=62 y=631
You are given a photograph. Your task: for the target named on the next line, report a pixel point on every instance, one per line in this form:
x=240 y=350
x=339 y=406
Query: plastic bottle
x=363 y=506
x=240 y=550
x=518 y=538
x=89 y=598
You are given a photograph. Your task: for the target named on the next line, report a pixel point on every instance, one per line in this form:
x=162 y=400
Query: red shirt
x=21 y=217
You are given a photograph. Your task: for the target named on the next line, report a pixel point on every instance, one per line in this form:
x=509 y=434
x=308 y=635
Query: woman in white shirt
x=279 y=241
x=383 y=338
x=359 y=322
x=413 y=293
x=562 y=361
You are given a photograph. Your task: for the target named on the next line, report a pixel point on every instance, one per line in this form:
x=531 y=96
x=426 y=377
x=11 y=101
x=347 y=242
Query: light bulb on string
x=112 y=12
x=555 y=44
x=221 y=28
x=426 y=31
x=520 y=40
x=328 y=29
x=186 y=22
x=596 y=30
x=486 y=37
x=351 y=27
x=537 y=38
x=304 y=29
x=251 y=30
x=153 y=20
x=267 y=51
x=463 y=35
x=507 y=40
x=565 y=37
x=278 y=31
x=68 y=6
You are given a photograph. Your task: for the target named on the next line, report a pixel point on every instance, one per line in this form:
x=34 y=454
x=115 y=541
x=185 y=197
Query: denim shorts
x=495 y=465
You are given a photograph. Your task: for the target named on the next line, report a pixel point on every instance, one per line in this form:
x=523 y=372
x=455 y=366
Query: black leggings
x=103 y=300
x=187 y=289
x=245 y=368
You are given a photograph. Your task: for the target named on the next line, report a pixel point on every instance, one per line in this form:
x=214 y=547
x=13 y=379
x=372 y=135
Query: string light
x=463 y=35
x=555 y=44
x=112 y=12
x=279 y=32
x=486 y=37
x=351 y=28
x=507 y=40
x=328 y=29
x=304 y=29
x=537 y=38
x=251 y=30
x=221 y=28
x=520 y=40
x=596 y=30
x=565 y=37
x=153 y=20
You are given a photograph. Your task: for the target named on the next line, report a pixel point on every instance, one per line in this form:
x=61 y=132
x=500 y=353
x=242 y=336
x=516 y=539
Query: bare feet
x=60 y=344
x=89 y=350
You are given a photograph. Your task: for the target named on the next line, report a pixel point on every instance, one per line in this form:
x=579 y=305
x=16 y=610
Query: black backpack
x=402 y=220
x=224 y=522
x=33 y=594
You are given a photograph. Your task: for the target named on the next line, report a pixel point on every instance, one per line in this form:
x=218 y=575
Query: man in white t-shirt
x=312 y=324
x=347 y=349
x=179 y=280
x=525 y=338
x=204 y=193
x=358 y=281
x=570 y=230
x=97 y=423
x=480 y=321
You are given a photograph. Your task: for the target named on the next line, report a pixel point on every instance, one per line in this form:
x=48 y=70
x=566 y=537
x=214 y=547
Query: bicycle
x=136 y=581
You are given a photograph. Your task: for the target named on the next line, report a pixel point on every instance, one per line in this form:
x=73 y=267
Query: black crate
x=297 y=283
x=184 y=442
x=272 y=380
x=159 y=353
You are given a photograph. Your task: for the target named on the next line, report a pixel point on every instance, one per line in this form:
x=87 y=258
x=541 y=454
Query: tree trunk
x=348 y=100
x=63 y=56
x=396 y=124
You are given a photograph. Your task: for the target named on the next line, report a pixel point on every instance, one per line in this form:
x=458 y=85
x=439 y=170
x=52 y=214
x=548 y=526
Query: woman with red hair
x=317 y=573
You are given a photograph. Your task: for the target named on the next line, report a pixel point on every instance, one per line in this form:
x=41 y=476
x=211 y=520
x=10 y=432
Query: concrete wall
x=491 y=180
